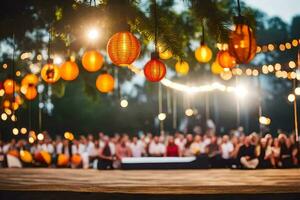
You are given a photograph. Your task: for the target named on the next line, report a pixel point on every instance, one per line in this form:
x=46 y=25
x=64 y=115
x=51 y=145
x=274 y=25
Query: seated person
x=247 y=155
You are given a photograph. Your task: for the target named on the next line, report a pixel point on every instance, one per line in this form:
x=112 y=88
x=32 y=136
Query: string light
x=162 y=116
x=15 y=131
x=291 y=97
x=23 y=130
x=189 y=112
x=124 y=103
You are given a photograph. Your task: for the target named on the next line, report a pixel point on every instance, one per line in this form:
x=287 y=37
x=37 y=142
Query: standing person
x=247 y=154
x=172 y=149
x=156 y=148
x=106 y=156
x=226 y=151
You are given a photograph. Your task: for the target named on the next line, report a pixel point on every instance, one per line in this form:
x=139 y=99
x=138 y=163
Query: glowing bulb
x=13 y=118
x=297 y=91
x=291 y=97
x=124 y=103
x=40 y=136
x=264 y=120
x=31 y=140
x=4 y=116
x=15 y=131
x=189 y=112
x=162 y=116
x=240 y=92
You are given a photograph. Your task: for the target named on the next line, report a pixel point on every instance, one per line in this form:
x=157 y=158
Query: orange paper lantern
x=155 y=70
x=30 y=79
x=50 y=73
x=9 y=86
x=123 y=48
x=31 y=92
x=69 y=71
x=225 y=59
x=203 y=54
x=62 y=160
x=26 y=156
x=76 y=159
x=242 y=42
x=105 y=83
x=92 y=61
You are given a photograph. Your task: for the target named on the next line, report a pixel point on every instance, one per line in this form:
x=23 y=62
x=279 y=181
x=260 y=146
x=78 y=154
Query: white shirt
x=137 y=149
x=156 y=148
x=198 y=147
x=226 y=148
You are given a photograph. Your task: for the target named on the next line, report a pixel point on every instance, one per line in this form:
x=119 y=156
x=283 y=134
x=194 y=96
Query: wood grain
x=153 y=181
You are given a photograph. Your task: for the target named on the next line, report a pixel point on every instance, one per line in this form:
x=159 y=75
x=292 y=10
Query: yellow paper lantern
x=203 y=54
x=123 y=48
x=105 y=83
x=25 y=156
x=69 y=71
x=216 y=68
x=182 y=67
x=30 y=79
x=92 y=61
x=50 y=73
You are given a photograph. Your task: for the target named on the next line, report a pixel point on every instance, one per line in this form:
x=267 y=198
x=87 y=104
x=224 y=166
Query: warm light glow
x=57 y=60
x=40 y=136
x=291 y=97
x=2 y=92
x=93 y=34
x=297 y=91
x=124 y=103
x=292 y=64
x=4 y=66
x=264 y=120
x=13 y=118
x=162 y=116
x=189 y=112
x=15 y=131
x=23 y=130
x=241 y=92
x=203 y=54
x=31 y=140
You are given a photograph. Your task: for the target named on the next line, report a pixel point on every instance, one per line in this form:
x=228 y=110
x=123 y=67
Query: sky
x=285 y=9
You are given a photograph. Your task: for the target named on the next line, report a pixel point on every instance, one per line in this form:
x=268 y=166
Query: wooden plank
x=223 y=181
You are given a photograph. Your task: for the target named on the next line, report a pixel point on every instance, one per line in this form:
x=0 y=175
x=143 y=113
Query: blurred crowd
x=234 y=150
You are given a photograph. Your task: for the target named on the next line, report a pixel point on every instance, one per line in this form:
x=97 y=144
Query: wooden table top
x=215 y=181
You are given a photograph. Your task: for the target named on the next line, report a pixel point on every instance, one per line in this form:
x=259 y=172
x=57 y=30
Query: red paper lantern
x=123 y=48
x=155 y=70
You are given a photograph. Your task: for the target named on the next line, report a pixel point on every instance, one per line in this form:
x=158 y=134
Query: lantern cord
x=155 y=26
x=49 y=42
x=239 y=7
x=13 y=73
x=203 y=37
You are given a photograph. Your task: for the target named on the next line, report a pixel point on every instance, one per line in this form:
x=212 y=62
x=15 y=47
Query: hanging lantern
x=182 y=67
x=30 y=79
x=123 y=48
x=105 y=83
x=226 y=75
x=50 y=73
x=216 y=68
x=69 y=71
x=9 y=86
x=31 y=92
x=92 y=61
x=203 y=53
x=242 y=43
x=164 y=53
x=225 y=59
x=154 y=70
